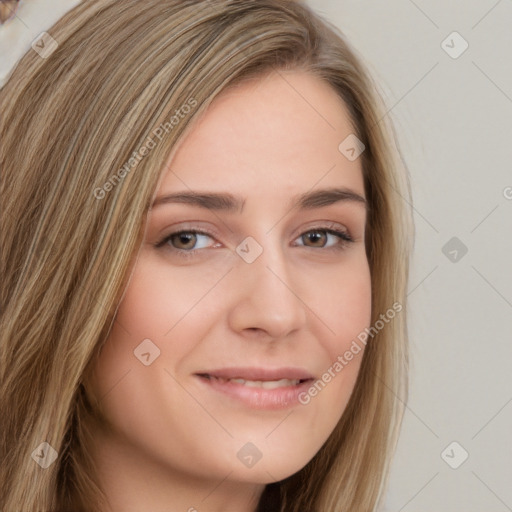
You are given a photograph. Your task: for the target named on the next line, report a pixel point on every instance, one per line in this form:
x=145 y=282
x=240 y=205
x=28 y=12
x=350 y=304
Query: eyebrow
x=235 y=204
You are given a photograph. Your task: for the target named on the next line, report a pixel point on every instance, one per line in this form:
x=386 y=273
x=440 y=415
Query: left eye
x=321 y=237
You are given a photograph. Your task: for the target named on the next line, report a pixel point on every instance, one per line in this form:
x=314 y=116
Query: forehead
x=275 y=134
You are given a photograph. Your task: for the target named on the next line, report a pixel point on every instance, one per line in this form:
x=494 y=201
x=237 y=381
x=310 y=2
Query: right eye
x=188 y=241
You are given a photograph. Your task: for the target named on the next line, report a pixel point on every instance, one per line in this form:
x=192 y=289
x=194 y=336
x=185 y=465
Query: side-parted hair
x=76 y=185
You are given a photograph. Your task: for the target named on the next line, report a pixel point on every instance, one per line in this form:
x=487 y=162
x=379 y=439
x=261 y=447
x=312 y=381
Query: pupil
x=316 y=236
x=186 y=238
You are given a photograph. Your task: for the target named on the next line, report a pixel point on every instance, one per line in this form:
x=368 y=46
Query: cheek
x=159 y=302
x=157 y=299
x=345 y=309
x=353 y=312
x=155 y=308
x=145 y=313
x=343 y=303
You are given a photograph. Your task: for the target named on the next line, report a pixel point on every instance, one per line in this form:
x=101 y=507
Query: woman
x=205 y=254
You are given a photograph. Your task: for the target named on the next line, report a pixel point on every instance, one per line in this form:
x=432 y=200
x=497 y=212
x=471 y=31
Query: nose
x=267 y=302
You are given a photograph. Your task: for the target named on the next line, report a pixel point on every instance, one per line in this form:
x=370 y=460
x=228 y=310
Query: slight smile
x=259 y=388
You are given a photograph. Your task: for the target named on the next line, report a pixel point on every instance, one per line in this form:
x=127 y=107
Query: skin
x=172 y=443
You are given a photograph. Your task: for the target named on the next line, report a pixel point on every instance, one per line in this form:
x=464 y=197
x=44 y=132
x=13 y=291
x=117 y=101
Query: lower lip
x=259 y=398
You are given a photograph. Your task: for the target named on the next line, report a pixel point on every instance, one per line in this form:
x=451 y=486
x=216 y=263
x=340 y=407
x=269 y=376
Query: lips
x=261 y=388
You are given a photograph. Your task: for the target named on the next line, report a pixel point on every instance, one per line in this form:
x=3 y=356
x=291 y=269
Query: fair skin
x=176 y=430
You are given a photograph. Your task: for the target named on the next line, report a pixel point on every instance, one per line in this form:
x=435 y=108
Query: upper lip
x=259 y=374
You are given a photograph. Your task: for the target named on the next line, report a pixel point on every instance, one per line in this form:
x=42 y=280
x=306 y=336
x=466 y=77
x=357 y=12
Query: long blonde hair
x=70 y=123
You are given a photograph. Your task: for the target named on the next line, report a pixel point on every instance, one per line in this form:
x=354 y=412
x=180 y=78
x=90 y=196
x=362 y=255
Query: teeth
x=272 y=384
x=265 y=384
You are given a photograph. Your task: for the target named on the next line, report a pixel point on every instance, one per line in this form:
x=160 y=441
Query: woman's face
x=225 y=327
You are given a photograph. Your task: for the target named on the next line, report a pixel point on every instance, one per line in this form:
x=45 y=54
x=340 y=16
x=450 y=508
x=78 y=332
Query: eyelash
x=344 y=237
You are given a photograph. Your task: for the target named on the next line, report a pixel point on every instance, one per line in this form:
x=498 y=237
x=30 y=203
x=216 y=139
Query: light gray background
x=454 y=123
